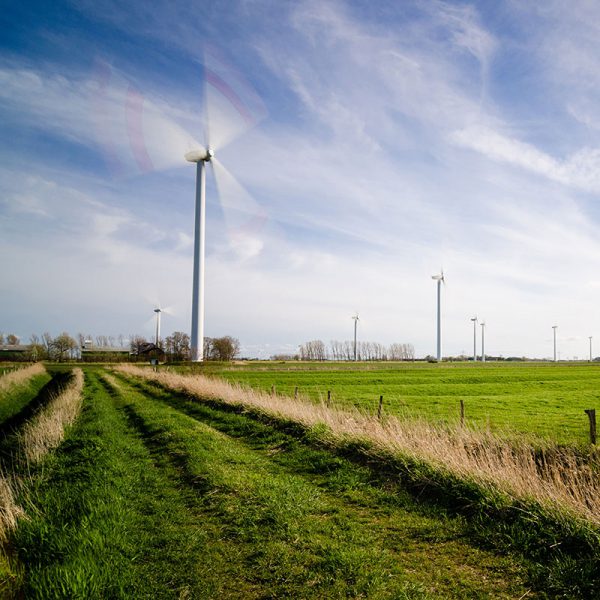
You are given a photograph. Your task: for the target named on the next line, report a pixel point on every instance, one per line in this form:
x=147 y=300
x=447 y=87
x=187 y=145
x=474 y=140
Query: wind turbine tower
x=590 y=348
x=439 y=278
x=554 y=329
x=157 y=339
x=200 y=157
x=355 y=317
x=483 y=341
x=474 y=319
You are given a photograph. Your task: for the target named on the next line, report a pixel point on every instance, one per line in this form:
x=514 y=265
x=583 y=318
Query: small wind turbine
x=356 y=319
x=483 y=341
x=554 y=329
x=159 y=311
x=474 y=319
x=590 y=337
x=439 y=278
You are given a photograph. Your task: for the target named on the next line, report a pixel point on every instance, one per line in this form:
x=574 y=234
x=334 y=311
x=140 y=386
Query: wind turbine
x=356 y=319
x=590 y=337
x=439 y=278
x=157 y=311
x=231 y=90
x=474 y=319
x=554 y=329
x=483 y=341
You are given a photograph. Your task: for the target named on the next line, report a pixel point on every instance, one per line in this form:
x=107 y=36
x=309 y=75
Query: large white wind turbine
x=230 y=107
x=439 y=278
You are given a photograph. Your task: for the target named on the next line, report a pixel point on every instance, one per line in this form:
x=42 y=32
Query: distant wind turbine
x=159 y=310
x=474 y=319
x=554 y=329
x=356 y=319
x=483 y=341
x=440 y=279
x=590 y=348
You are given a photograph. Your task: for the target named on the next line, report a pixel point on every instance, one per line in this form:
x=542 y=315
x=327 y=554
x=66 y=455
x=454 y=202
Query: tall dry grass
x=37 y=437
x=47 y=428
x=554 y=477
x=20 y=376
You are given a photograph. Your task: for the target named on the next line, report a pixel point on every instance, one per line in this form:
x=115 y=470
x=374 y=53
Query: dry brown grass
x=554 y=477
x=40 y=435
x=47 y=429
x=10 y=511
x=15 y=378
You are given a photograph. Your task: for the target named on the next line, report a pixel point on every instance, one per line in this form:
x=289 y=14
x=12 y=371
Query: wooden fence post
x=380 y=407
x=591 y=413
x=296 y=393
x=462 y=412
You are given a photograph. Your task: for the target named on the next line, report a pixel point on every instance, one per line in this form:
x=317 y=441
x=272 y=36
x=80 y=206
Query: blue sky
x=381 y=142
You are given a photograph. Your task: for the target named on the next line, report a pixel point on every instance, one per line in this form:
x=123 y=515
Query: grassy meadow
x=542 y=399
x=145 y=484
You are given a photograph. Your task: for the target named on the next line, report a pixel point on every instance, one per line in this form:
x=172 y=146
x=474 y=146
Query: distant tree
x=136 y=343
x=102 y=341
x=35 y=351
x=224 y=348
x=47 y=343
x=12 y=339
x=208 y=348
x=63 y=346
x=1 y=339
x=313 y=350
x=177 y=346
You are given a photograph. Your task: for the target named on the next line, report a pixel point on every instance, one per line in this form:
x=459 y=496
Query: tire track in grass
x=316 y=522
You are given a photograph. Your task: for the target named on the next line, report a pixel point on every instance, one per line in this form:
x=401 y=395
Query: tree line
x=370 y=351
x=176 y=347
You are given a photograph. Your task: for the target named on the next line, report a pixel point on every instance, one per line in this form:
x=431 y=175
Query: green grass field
x=544 y=399
x=154 y=494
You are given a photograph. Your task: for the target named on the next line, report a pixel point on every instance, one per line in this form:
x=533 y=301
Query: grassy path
x=305 y=523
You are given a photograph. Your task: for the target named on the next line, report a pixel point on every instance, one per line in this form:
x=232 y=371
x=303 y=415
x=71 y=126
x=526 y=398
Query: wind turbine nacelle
x=202 y=154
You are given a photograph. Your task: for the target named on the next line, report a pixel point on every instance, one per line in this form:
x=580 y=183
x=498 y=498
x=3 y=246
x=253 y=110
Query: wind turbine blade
x=232 y=106
x=135 y=134
x=244 y=217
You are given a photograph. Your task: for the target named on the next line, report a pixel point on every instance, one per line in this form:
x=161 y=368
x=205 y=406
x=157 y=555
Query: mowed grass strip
x=15 y=396
x=542 y=399
x=107 y=520
x=310 y=524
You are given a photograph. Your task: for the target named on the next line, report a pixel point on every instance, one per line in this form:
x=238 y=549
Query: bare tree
x=136 y=343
